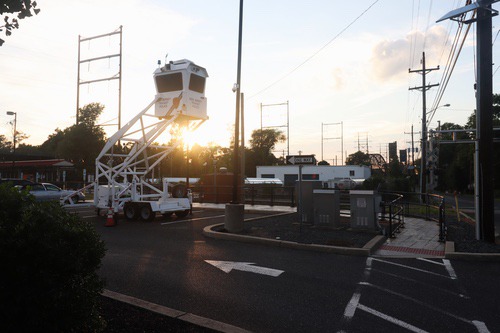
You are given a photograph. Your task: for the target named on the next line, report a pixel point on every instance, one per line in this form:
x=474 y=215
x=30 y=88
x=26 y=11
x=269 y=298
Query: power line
x=317 y=52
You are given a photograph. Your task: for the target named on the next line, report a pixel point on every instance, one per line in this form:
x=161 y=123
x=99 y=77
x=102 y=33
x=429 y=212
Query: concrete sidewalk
x=419 y=238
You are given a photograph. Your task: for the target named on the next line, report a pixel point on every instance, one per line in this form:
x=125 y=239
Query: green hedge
x=49 y=258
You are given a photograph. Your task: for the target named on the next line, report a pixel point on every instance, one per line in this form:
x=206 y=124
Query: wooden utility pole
x=423 y=149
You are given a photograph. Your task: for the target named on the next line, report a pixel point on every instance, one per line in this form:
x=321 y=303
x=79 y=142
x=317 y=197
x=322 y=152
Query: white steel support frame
x=118 y=169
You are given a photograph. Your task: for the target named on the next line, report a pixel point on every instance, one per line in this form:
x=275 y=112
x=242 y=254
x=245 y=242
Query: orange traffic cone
x=110 y=220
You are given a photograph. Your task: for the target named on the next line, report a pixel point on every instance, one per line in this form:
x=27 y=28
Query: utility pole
x=412 y=146
x=287 y=125
x=117 y=76
x=484 y=190
x=423 y=149
x=484 y=121
x=341 y=139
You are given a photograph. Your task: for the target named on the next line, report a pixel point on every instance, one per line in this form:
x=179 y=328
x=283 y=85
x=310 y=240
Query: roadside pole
x=301 y=217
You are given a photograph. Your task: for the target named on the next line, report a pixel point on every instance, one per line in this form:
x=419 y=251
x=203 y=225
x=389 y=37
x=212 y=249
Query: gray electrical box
x=326 y=208
x=305 y=199
x=365 y=206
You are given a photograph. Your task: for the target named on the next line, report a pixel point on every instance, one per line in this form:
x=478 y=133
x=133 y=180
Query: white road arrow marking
x=228 y=266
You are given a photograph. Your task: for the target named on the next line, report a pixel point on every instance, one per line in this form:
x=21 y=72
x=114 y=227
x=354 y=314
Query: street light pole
x=233 y=220
x=12 y=113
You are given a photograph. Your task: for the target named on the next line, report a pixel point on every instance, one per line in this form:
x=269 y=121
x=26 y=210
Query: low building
x=53 y=170
x=328 y=174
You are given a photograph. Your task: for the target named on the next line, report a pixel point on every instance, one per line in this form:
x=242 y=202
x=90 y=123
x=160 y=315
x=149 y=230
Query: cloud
x=391 y=58
x=338 y=79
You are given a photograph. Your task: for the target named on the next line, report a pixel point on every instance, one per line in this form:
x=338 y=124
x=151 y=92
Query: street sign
x=301 y=159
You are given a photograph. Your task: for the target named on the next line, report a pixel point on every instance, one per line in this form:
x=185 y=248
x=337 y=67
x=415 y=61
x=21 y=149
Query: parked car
x=16 y=181
x=48 y=192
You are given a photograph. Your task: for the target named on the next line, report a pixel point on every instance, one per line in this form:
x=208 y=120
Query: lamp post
x=12 y=113
x=233 y=221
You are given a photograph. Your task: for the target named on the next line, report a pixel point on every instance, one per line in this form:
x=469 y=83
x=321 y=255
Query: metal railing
x=395 y=207
x=252 y=195
x=428 y=206
x=393 y=210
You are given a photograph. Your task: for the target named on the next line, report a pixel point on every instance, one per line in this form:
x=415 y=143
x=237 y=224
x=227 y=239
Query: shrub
x=50 y=258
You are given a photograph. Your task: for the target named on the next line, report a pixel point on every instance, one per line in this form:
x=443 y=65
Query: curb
x=172 y=313
x=365 y=251
x=449 y=253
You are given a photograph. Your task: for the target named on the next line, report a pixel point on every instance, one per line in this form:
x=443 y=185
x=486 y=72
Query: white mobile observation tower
x=121 y=173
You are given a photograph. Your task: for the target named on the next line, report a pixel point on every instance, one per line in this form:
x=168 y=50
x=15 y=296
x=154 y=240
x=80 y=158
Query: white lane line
x=89 y=216
x=430 y=261
x=481 y=327
x=412 y=268
x=450 y=269
x=193 y=220
x=427 y=285
x=180 y=221
x=208 y=217
x=417 y=302
x=351 y=306
x=353 y=303
x=368 y=268
x=391 y=319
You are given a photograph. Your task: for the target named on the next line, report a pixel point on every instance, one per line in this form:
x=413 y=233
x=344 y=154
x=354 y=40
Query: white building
x=328 y=174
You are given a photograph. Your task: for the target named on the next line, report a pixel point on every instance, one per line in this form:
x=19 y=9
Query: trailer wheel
x=182 y=213
x=167 y=214
x=146 y=213
x=179 y=191
x=131 y=212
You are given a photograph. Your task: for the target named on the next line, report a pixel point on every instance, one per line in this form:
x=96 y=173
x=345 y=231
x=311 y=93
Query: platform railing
x=428 y=206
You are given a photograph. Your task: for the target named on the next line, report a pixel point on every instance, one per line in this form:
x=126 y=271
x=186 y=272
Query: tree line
x=81 y=143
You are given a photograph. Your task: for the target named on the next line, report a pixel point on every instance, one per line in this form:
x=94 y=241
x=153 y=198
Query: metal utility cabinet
x=365 y=206
x=326 y=208
x=305 y=199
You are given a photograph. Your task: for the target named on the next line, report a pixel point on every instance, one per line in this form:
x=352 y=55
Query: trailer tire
x=179 y=191
x=146 y=213
x=130 y=211
x=182 y=213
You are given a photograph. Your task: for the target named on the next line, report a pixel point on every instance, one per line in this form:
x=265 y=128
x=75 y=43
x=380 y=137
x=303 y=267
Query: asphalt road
x=165 y=262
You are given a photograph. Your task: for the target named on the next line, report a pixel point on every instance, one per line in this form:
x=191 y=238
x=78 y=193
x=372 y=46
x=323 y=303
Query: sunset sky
x=333 y=61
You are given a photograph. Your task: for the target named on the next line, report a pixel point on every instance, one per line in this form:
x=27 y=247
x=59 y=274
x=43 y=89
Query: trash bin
x=365 y=206
x=326 y=208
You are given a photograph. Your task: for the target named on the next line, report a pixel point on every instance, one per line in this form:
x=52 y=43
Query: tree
x=358 y=158
x=79 y=144
x=4 y=144
x=50 y=259
x=262 y=144
x=323 y=163
x=23 y=8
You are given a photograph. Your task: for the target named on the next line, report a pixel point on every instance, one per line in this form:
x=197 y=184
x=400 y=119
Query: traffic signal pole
x=484 y=116
x=484 y=122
